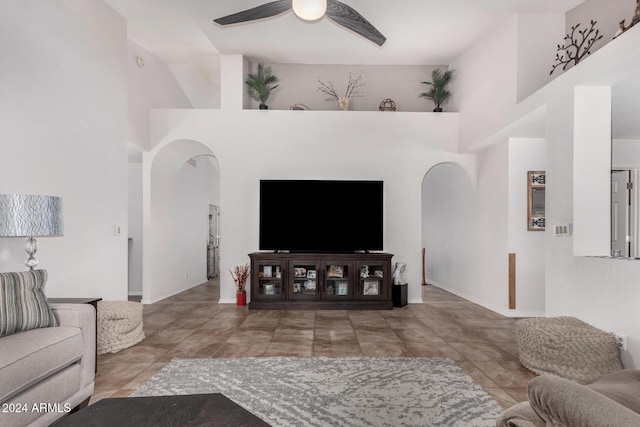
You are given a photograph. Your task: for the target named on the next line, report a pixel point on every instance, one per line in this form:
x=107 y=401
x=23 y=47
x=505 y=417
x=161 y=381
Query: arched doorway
x=447 y=226
x=183 y=182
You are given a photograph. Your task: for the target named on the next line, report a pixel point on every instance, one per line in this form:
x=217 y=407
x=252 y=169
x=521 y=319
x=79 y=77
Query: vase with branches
x=261 y=83
x=437 y=88
x=577 y=45
x=240 y=274
x=354 y=89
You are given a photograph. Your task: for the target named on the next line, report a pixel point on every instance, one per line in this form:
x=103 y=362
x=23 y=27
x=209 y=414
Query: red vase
x=241 y=298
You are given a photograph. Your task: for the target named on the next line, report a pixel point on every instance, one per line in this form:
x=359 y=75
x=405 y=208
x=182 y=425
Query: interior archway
x=184 y=180
x=447 y=224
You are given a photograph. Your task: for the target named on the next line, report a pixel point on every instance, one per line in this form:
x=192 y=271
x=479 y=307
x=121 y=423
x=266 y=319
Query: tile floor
x=193 y=325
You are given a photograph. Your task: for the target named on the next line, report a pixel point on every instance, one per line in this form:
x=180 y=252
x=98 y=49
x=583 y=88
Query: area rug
x=323 y=391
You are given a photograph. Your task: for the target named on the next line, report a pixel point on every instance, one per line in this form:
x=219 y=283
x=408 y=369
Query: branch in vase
x=328 y=90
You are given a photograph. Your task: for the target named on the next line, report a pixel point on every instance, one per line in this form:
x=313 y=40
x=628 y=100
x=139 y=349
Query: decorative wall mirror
x=536 y=181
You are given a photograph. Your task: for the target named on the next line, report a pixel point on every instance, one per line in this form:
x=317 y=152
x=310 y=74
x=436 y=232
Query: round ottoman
x=567 y=347
x=119 y=325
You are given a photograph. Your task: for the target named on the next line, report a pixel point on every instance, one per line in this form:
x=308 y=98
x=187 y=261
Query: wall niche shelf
x=310 y=281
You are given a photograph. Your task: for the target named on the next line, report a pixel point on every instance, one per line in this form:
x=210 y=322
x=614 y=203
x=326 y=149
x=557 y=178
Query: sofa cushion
x=23 y=304
x=622 y=386
x=29 y=357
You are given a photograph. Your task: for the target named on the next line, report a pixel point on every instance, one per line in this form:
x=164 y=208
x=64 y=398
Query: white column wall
x=526 y=154
x=592 y=171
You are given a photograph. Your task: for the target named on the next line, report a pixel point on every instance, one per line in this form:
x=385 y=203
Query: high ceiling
x=418 y=32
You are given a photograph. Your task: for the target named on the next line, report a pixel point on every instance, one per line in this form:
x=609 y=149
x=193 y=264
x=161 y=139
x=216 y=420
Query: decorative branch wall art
x=576 y=46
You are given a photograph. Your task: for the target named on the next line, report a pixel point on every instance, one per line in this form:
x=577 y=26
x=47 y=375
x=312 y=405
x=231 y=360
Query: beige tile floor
x=193 y=325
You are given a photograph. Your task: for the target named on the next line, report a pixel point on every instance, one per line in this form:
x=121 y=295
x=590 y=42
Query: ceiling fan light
x=309 y=10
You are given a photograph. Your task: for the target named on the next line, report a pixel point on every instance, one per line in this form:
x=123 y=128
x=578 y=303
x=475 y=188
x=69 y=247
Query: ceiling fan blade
x=264 y=11
x=346 y=16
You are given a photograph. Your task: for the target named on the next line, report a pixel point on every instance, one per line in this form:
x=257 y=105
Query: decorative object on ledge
x=634 y=21
x=536 y=181
x=299 y=107
x=261 y=84
x=240 y=274
x=576 y=46
x=399 y=275
x=31 y=216
x=310 y=10
x=387 y=105
x=438 y=92
x=354 y=90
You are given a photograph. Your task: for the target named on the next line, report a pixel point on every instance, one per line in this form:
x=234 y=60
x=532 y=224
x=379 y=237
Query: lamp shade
x=309 y=10
x=28 y=215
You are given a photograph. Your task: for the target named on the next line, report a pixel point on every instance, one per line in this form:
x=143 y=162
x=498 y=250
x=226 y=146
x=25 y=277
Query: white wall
x=600 y=291
x=526 y=155
x=625 y=153
x=135 y=229
x=396 y=148
x=484 y=92
x=200 y=82
x=538 y=37
x=63 y=131
x=299 y=83
x=151 y=85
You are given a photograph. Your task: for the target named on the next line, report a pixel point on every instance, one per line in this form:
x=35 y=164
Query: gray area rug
x=323 y=391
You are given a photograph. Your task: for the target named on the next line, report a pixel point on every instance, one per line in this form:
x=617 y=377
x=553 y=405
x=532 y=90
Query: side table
x=399 y=295
x=92 y=301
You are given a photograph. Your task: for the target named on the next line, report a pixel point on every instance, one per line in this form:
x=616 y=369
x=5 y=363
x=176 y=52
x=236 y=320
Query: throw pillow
x=23 y=304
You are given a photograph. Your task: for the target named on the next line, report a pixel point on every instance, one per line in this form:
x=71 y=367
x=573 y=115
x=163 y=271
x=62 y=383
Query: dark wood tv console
x=355 y=281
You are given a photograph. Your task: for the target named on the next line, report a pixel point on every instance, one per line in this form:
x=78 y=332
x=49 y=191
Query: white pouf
x=119 y=325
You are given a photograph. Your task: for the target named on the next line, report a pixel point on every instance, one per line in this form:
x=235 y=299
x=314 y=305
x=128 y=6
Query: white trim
x=227 y=301
x=171 y=293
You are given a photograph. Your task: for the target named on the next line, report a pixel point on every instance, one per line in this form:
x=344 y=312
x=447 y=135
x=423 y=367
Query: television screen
x=321 y=216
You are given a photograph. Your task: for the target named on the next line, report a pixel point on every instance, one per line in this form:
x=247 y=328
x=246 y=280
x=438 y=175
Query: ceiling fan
x=310 y=10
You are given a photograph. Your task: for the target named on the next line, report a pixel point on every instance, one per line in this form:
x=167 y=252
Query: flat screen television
x=321 y=216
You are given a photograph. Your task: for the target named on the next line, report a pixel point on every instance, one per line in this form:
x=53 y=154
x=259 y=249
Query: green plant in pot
x=260 y=84
x=437 y=91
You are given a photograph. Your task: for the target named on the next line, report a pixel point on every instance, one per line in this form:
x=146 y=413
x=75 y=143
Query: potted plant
x=261 y=84
x=437 y=91
x=240 y=274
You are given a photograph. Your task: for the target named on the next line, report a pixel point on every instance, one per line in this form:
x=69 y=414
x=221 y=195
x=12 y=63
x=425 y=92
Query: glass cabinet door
x=338 y=280
x=372 y=281
x=270 y=280
x=304 y=280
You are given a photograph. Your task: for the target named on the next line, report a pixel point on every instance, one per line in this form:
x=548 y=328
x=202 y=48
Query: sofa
x=613 y=400
x=45 y=371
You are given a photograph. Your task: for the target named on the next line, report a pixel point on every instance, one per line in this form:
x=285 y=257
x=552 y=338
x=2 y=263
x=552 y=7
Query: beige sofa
x=613 y=400
x=46 y=372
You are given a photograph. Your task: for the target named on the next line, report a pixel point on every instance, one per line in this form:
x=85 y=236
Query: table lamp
x=31 y=216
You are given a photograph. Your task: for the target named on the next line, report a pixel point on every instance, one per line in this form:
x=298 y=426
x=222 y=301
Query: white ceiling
x=418 y=32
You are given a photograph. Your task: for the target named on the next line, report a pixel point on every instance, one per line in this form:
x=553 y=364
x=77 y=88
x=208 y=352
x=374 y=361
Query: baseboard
x=473 y=299
x=135 y=293
x=171 y=293
x=227 y=301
